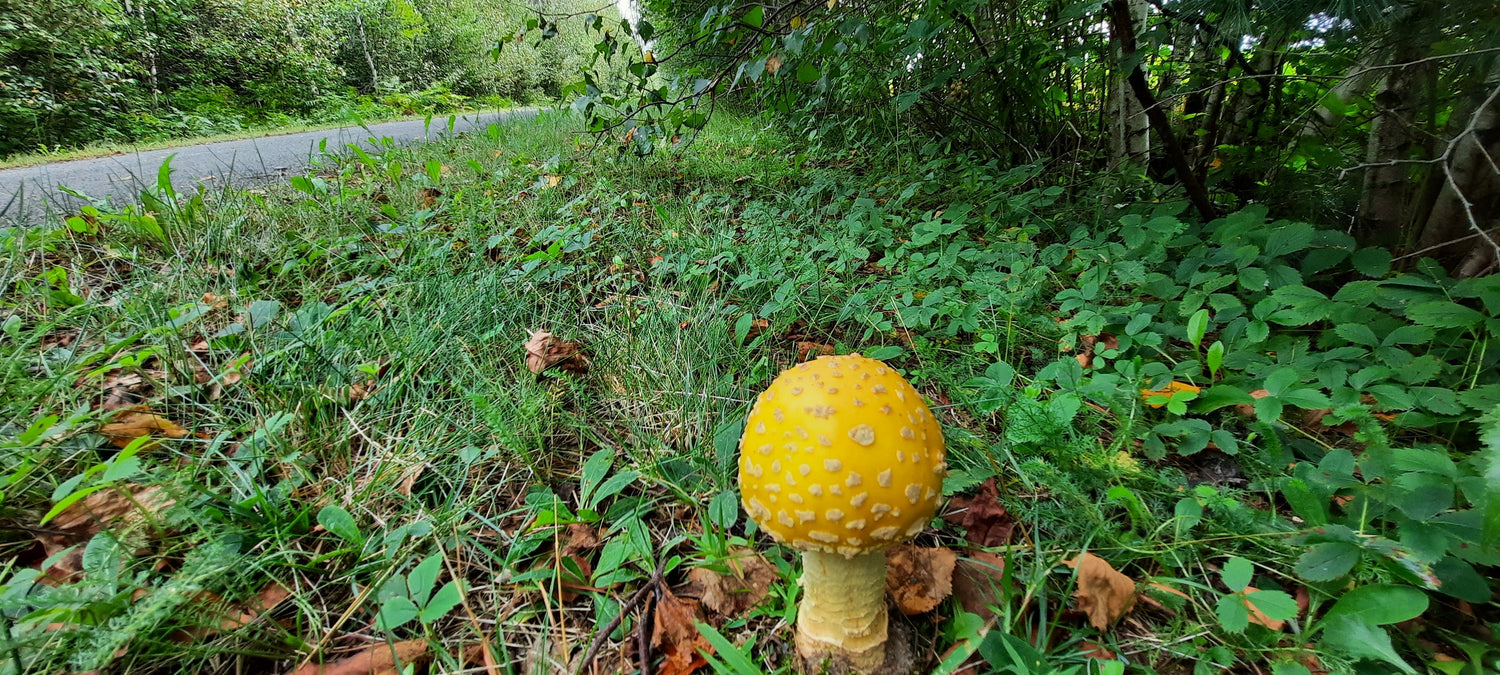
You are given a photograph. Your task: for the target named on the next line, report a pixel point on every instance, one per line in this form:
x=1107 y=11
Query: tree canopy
x=1374 y=118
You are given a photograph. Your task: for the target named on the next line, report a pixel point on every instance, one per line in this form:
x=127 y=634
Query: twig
x=628 y=607
x=643 y=636
x=1435 y=247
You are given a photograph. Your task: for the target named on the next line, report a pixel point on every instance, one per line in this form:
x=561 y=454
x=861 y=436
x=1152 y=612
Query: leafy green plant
x=410 y=596
x=1233 y=609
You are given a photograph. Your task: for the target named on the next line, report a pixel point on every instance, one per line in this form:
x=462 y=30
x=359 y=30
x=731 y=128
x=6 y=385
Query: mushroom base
x=842 y=624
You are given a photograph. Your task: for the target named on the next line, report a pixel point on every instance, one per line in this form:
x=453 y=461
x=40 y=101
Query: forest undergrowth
x=474 y=407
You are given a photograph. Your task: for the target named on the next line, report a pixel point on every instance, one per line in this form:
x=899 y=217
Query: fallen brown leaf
x=380 y=659
x=573 y=582
x=409 y=480
x=581 y=538
x=1247 y=409
x=808 y=350
x=81 y=521
x=360 y=391
x=1094 y=650
x=1314 y=419
x=985 y=522
x=919 y=578
x=1145 y=597
x=545 y=350
x=122 y=390
x=675 y=634
x=130 y=425
x=1103 y=593
x=977 y=582
x=1168 y=589
x=237 y=370
x=547 y=656
x=1086 y=347
x=773 y=62
x=757 y=326
x=481 y=654
x=225 y=617
x=731 y=594
x=268 y=598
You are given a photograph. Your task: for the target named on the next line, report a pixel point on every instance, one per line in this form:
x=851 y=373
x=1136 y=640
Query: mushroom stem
x=842 y=618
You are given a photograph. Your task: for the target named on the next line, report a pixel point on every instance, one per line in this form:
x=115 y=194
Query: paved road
x=31 y=192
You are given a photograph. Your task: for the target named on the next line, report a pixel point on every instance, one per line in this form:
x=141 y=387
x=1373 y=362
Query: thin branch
x=1435 y=247
x=1404 y=64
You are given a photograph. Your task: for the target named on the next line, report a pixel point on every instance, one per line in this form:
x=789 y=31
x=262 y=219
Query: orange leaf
x=130 y=425
x=1171 y=388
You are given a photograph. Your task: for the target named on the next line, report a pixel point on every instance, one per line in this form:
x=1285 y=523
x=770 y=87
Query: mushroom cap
x=841 y=455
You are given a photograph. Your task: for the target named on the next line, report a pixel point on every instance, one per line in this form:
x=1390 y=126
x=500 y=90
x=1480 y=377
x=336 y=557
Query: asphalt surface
x=31 y=193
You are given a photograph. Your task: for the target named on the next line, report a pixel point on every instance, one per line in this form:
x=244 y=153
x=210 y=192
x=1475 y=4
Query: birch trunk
x=364 y=44
x=1130 y=137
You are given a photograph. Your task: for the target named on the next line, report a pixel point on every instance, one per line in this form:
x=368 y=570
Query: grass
x=340 y=388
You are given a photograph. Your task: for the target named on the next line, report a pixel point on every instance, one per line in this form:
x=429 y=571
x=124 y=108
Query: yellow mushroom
x=840 y=459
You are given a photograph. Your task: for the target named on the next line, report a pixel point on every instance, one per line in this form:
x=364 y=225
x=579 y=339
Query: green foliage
x=74 y=72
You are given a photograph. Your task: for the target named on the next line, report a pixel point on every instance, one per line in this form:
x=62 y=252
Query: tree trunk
x=1354 y=84
x=1130 y=137
x=1208 y=142
x=1470 y=196
x=1394 y=140
x=1251 y=96
x=1120 y=20
x=364 y=44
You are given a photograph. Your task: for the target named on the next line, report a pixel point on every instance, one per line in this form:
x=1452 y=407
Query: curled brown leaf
x=545 y=350
x=978 y=582
x=1103 y=593
x=132 y=424
x=919 y=578
x=675 y=634
x=985 y=521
